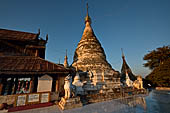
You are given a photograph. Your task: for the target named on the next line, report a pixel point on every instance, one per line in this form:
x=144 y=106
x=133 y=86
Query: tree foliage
x=157 y=57
x=159 y=61
x=160 y=76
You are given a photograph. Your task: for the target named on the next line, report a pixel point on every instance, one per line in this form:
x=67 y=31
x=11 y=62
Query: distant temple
x=90 y=57
x=23 y=67
x=127 y=77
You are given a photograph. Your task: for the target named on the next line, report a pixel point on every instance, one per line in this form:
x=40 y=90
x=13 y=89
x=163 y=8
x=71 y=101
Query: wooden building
x=17 y=43
x=23 y=68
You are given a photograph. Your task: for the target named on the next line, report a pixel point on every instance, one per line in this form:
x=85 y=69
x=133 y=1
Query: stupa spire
x=123 y=56
x=87 y=8
x=126 y=69
x=87 y=18
x=90 y=54
x=66 y=61
x=89 y=51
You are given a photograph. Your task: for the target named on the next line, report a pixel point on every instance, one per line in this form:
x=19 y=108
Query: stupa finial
x=123 y=56
x=87 y=19
x=66 y=61
x=38 y=31
x=87 y=8
x=59 y=61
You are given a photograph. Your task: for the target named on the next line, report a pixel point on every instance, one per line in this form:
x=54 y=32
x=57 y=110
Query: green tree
x=160 y=76
x=157 y=57
x=159 y=62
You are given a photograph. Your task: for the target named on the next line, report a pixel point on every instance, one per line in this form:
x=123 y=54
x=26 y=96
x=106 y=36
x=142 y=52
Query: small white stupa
x=78 y=84
x=128 y=82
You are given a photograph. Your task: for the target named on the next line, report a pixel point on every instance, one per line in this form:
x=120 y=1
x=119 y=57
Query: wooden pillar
x=36 y=53
x=33 y=84
x=57 y=86
x=11 y=83
x=31 y=87
x=4 y=82
x=1 y=86
x=15 y=85
x=54 y=84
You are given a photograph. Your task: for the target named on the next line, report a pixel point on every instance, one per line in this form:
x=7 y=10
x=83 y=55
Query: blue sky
x=137 y=26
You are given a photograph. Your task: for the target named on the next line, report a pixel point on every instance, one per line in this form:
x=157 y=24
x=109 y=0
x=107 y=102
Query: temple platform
x=70 y=103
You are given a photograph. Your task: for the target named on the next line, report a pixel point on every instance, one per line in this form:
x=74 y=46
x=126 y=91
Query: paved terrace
x=102 y=107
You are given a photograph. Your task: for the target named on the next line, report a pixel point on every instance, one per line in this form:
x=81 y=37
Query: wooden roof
x=29 y=65
x=17 y=35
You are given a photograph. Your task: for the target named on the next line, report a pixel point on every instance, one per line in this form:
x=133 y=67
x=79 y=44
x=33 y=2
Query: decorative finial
x=66 y=65
x=123 y=56
x=59 y=61
x=87 y=19
x=39 y=31
x=66 y=52
x=46 y=37
x=87 y=8
x=66 y=55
